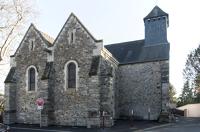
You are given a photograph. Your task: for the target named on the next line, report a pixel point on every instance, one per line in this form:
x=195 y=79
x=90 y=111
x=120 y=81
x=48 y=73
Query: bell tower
x=156 y=24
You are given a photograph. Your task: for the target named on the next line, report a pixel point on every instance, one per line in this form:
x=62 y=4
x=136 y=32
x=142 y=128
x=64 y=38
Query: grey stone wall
x=26 y=108
x=140 y=90
x=165 y=86
x=10 y=103
x=73 y=105
x=51 y=98
x=107 y=91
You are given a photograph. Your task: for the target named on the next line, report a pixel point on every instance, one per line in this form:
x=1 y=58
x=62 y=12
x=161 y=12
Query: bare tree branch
x=13 y=14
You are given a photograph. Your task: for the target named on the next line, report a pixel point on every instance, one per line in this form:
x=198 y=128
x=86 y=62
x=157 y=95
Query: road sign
x=40 y=102
x=39 y=107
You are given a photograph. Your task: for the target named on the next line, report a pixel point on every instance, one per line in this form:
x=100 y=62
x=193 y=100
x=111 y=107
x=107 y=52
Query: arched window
x=31 y=78
x=71 y=74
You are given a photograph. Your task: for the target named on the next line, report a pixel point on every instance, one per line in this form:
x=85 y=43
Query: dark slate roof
x=10 y=77
x=137 y=52
x=47 y=71
x=156 y=12
x=94 y=66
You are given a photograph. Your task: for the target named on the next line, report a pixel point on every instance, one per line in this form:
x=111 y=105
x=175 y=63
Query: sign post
x=40 y=104
x=149 y=112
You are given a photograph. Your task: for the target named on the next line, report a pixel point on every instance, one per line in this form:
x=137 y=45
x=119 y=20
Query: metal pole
x=40 y=117
x=149 y=111
x=103 y=119
x=103 y=114
x=132 y=117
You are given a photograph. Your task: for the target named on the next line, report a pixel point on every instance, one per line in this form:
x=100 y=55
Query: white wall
x=193 y=110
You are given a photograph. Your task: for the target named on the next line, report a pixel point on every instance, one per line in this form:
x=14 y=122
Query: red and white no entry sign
x=40 y=102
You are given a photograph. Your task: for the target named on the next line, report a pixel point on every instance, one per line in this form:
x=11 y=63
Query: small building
x=191 y=110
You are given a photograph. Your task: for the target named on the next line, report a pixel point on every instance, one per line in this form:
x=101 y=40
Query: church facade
x=85 y=83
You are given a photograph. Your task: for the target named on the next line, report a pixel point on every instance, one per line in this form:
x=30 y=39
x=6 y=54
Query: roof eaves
x=144 y=61
x=124 y=43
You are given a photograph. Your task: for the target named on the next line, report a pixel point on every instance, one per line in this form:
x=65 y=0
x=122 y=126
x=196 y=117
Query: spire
x=156 y=12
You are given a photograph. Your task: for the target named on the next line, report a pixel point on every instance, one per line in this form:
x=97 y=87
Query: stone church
x=84 y=82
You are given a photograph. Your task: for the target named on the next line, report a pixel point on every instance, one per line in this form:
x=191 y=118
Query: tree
x=172 y=93
x=197 y=89
x=2 y=101
x=187 y=95
x=14 y=14
x=192 y=66
x=191 y=74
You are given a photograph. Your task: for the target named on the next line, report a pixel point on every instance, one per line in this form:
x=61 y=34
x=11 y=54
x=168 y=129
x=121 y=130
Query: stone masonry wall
x=25 y=100
x=140 y=90
x=165 y=86
x=51 y=98
x=107 y=91
x=10 y=103
x=73 y=105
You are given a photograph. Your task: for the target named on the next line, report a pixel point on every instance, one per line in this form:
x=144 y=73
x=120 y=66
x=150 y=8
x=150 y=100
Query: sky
x=122 y=20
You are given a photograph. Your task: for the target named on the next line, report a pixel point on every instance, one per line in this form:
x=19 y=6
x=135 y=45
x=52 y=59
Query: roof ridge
x=124 y=42
x=47 y=38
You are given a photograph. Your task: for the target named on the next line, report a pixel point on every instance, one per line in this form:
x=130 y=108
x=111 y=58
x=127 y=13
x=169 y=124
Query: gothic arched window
x=31 y=78
x=71 y=74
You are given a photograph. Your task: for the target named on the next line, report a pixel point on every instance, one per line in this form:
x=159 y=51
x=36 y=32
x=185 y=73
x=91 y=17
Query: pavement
x=120 y=126
x=181 y=125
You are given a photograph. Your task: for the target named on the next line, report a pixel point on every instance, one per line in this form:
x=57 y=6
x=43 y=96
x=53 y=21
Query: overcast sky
x=122 y=20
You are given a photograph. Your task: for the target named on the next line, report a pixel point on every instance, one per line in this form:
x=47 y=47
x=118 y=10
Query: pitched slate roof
x=137 y=52
x=10 y=77
x=45 y=37
x=156 y=12
x=47 y=71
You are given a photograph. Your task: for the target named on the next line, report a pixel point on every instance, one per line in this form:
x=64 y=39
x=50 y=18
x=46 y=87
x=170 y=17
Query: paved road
x=182 y=125
x=121 y=126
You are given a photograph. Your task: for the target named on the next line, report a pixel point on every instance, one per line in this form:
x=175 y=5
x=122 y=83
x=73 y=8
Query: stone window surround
x=27 y=77
x=66 y=74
